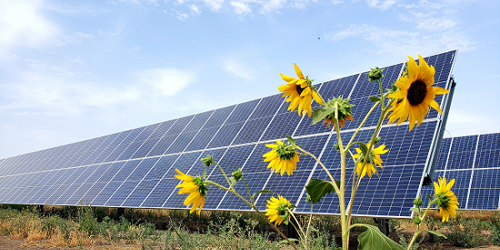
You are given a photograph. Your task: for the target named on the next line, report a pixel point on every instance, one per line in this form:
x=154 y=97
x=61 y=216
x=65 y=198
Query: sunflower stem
x=343 y=215
x=377 y=128
x=361 y=125
x=248 y=190
x=335 y=187
x=353 y=194
x=422 y=218
x=303 y=236
x=309 y=223
x=381 y=93
x=227 y=179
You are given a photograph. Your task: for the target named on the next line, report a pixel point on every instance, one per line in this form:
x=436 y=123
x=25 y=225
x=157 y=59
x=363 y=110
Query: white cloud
x=435 y=24
x=155 y=2
x=383 y=5
x=54 y=91
x=238 y=69
x=240 y=8
x=214 y=5
x=426 y=21
x=195 y=10
x=335 y=2
x=301 y=4
x=130 y=1
x=271 y=5
x=405 y=42
x=165 y=81
x=181 y=16
x=21 y=24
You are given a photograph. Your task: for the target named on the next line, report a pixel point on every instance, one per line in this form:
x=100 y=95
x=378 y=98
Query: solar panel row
x=135 y=168
x=474 y=162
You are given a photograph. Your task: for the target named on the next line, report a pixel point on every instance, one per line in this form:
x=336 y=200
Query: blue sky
x=74 y=70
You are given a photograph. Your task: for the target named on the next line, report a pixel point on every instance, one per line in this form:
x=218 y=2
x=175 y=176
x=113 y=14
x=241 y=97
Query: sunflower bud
x=417 y=221
x=375 y=74
x=335 y=108
x=207 y=161
x=237 y=174
x=417 y=202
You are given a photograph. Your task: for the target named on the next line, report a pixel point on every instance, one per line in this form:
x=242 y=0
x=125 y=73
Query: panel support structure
x=120 y=212
x=383 y=225
x=39 y=209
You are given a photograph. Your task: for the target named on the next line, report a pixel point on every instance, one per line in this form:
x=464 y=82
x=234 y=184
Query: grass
x=177 y=229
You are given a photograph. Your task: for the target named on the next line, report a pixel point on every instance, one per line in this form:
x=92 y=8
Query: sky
x=75 y=70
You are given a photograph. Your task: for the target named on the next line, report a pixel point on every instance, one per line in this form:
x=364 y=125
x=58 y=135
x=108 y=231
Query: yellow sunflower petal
x=298 y=71
x=287 y=78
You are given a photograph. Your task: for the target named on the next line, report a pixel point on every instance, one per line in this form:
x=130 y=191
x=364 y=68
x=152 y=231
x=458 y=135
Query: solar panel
x=474 y=162
x=135 y=168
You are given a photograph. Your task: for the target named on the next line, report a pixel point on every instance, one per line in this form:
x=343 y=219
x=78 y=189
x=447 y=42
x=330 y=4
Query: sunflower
x=196 y=188
x=281 y=158
x=329 y=121
x=299 y=92
x=278 y=210
x=369 y=167
x=447 y=201
x=415 y=94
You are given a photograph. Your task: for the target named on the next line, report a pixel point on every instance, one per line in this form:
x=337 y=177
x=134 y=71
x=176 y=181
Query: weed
x=466 y=232
x=495 y=230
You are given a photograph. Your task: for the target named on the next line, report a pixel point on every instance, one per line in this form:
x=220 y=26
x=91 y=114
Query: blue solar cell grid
x=474 y=162
x=136 y=168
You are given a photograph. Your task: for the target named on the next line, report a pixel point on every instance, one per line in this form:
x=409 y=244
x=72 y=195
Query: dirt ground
x=15 y=244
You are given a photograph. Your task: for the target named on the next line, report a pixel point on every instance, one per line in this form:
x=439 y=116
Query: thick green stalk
x=353 y=195
x=343 y=219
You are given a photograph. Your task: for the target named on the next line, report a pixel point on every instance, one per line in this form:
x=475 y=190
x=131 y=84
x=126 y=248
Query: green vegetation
x=177 y=229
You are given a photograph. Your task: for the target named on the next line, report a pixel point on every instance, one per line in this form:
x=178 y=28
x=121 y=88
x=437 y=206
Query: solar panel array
x=474 y=162
x=135 y=168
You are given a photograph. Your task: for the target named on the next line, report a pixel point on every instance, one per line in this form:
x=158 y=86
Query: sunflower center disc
x=417 y=92
x=299 y=89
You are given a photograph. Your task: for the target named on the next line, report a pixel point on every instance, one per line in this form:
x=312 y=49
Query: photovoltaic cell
x=136 y=168
x=474 y=162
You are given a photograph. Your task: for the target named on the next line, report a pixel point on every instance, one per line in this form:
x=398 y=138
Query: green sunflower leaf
x=318 y=188
x=320 y=113
x=363 y=148
x=374 y=239
x=233 y=181
x=260 y=192
x=437 y=233
x=374 y=99
x=291 y=239
x=430 y=197
x=291 y=140
x=414 y=209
